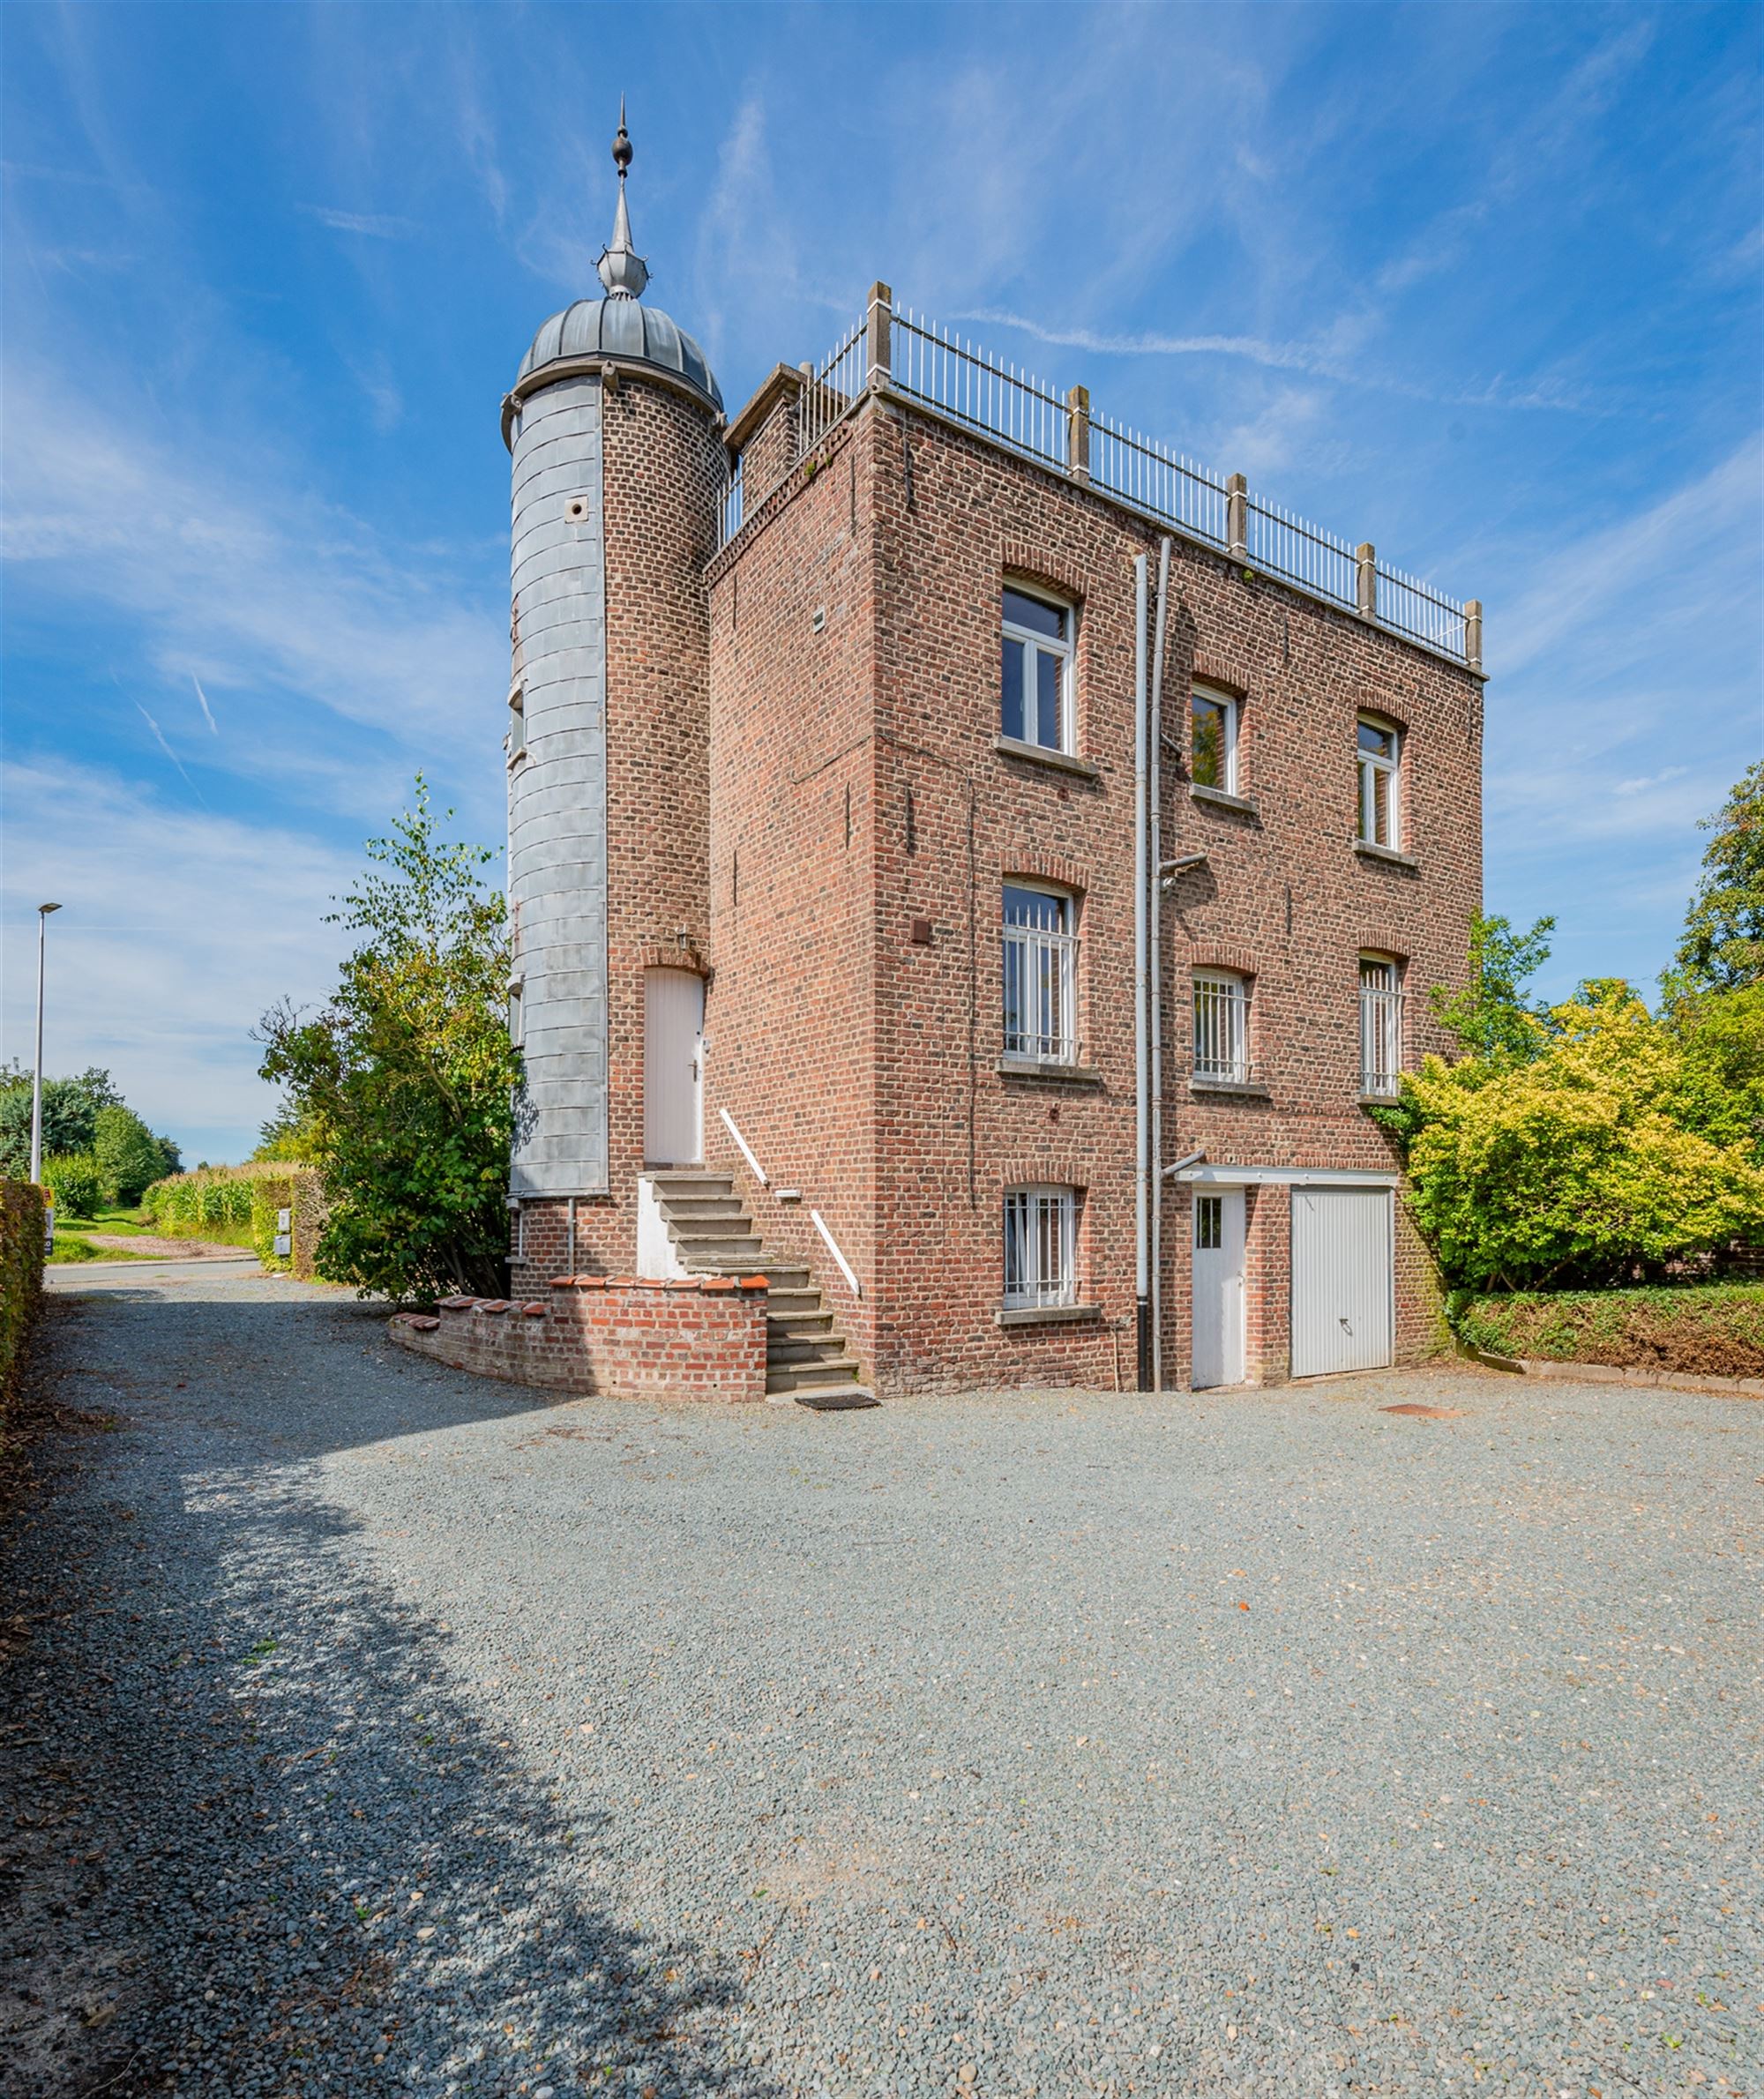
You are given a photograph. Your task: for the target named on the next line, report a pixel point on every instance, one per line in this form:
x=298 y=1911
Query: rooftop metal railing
x=906 y=353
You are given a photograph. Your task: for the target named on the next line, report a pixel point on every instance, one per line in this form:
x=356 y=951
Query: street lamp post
x=43 y=911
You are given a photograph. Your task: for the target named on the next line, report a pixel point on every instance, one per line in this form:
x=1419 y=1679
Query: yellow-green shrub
x=21 y=1278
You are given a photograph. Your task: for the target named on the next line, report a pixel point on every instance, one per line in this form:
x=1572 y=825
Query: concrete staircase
x=806 y=1358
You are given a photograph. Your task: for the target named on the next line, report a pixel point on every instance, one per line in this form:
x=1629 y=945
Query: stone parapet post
x=1078 y=433
x=1237 y=517
x=880 y=329
x=1366 y=579
x=1473 y=633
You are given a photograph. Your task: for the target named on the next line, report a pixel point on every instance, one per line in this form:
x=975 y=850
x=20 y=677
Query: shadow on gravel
x=300 y=1861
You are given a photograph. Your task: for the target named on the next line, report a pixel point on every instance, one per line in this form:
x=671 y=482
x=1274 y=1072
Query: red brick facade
x=805 y=774
x=619 y=1339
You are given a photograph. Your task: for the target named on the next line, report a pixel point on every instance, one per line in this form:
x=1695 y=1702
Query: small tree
x=1492 y=1017
x=1723 y=946
x=129 y=1158
x=406 y=1080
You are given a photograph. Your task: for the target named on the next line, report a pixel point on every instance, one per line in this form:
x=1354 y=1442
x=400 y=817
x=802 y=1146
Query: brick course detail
x=613 y=1338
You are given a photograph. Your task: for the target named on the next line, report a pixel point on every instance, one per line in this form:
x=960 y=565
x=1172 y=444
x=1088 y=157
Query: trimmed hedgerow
x=21 y=1280
x=1711 y=1329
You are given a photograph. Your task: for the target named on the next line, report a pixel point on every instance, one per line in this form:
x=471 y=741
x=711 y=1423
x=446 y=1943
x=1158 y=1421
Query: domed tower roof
x=618 y=325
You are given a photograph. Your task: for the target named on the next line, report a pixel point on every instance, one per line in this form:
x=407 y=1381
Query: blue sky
x=1479 y=283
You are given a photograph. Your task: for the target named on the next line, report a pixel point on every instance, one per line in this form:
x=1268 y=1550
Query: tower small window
x=1380 y=821
x=1214 y=760
x=517 y=724
x=1035 y=687
x=516 y=1015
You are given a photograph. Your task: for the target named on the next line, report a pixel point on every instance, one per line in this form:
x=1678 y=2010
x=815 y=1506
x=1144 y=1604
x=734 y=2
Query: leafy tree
x=405 y=1080
x=289 y=1136
x=1722 y=947
x=128 y=1156
x=1580 y=1162
x=1491 y=1017
x=71 y=1109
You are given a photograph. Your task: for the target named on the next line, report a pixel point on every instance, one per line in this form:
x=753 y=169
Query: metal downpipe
x=1141 y=1075
x=1155 y=915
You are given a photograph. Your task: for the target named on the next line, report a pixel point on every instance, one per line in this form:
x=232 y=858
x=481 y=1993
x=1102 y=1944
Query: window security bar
x=1040 y=994
x=1041 y=1247
x=1381 y=1041
x=1221 y=1031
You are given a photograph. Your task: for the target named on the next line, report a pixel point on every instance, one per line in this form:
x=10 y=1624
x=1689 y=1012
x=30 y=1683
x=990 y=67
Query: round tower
x=613 y=425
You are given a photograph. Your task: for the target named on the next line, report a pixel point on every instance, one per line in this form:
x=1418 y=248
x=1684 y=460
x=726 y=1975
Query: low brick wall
x=701 y=1339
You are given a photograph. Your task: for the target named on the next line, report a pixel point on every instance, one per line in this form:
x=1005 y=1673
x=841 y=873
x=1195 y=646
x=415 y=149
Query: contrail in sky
x=158 y=737
x=208 y=714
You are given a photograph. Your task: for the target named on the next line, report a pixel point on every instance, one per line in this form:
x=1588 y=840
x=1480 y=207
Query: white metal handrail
x=743 y=1148
x=1040 y=994
x=931 y=363
x=1381 y=1041
x=966 y=382
x=845 y=1267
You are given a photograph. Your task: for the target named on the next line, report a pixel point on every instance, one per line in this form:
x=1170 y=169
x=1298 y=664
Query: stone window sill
x=1376 y=1099
x=1391 y=857
x=1217 y=798
x=1245 y=1089
x=1041 y=1315
x=1039 y=754
x=1033 y=1067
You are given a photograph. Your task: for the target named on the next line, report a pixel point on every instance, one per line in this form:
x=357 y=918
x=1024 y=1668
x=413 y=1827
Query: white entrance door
x=1218 y=1287
x=1343 y=1279
x=673 y=1057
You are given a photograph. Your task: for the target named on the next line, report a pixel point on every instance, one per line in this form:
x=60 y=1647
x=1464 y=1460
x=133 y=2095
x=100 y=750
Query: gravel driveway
x=387 y=1731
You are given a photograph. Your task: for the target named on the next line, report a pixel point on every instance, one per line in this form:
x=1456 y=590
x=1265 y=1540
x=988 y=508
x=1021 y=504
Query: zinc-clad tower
x=614 y=427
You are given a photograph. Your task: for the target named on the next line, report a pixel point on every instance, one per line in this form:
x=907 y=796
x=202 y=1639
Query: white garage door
x=1341 y=1280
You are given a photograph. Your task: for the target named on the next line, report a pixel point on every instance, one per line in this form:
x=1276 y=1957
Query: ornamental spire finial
x=623 y=270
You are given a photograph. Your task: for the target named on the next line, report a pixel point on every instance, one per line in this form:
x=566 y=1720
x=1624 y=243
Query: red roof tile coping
x=423 y=1322
x=537 y=1309
x=756 y=1282
x=457 y=1304
x=491 y=1306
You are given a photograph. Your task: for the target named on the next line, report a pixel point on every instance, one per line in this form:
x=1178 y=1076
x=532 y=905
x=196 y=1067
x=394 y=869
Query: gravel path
x=393 y=1732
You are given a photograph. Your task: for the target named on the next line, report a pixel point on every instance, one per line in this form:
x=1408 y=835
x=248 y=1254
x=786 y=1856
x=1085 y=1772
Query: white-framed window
x=1041 y=1246
x=517 y=1019
x=517 y=724
x=1380 y=1026
x=1221 y=1026
x=1213 y=746
x=1380 y=817
x=1040 y=974
x=1036 y=681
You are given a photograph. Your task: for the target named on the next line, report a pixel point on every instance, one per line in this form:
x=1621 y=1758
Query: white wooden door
x=673 y=1060
x=1218 y=1237
x=1343 y=1282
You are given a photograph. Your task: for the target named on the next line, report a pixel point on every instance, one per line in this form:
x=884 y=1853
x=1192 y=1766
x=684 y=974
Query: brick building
x=966 y=864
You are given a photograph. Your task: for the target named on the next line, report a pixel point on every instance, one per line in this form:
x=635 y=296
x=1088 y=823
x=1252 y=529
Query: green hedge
x=298 y=1190
x=1711 y=1329
x=21 y=1280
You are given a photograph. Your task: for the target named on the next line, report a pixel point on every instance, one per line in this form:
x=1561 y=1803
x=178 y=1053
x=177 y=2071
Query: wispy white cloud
x=378 y=226
x=239 y=568
x=179 y=928
x=159 y=739
x=202 y=700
